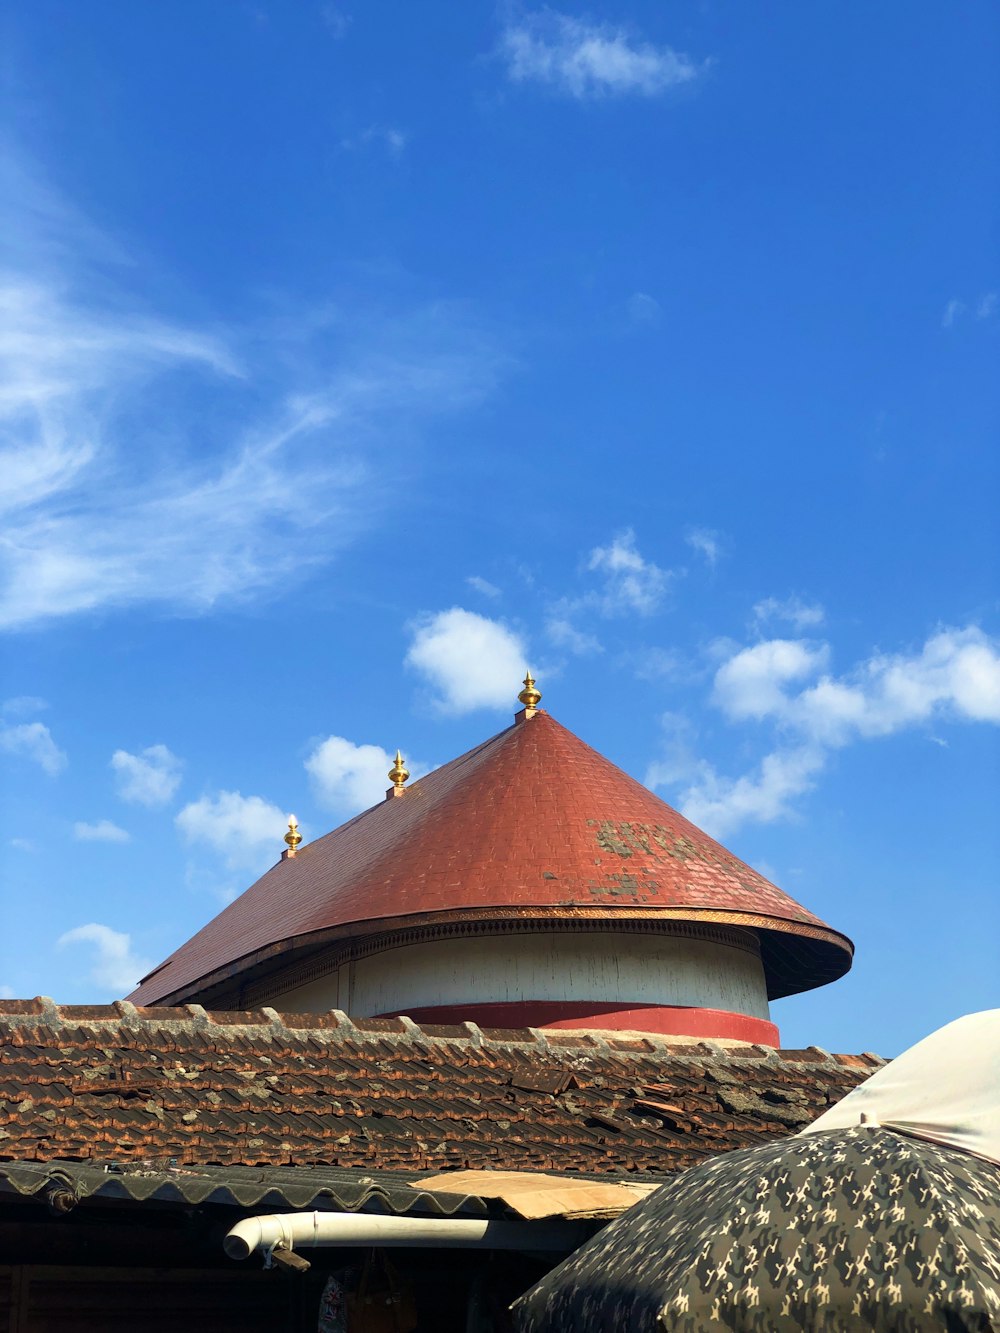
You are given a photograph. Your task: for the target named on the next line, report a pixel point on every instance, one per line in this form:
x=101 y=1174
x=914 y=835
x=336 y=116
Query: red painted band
x=665 y=1020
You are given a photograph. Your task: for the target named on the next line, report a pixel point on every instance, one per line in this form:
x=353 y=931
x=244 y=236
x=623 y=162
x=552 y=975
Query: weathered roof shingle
x=532 y=824
x=183 y=1087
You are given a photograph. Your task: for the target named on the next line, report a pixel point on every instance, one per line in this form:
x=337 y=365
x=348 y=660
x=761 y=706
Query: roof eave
x=797 y=956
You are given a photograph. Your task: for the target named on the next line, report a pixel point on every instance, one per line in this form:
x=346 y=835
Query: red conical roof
x=533 y=824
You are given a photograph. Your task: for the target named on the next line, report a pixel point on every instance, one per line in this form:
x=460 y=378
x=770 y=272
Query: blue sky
x=354 y=355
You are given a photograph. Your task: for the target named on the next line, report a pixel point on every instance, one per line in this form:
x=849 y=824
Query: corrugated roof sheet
x=181 y=1087
x=532 y=821
x=325 y=1189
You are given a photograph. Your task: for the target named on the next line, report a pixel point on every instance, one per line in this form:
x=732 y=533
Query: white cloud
x=246 y=831
x=720 y=805
x=644 y=310
x=101 y=831
x=706 y=543
x=150 y=777
x=952 y=310
x=792 y=610
x=350 y=777
x=986 y=306
x=483 y=585
x=564 y=634
x=33 y=741
x=627 y=584
x=469 y=661
x=116 y=969
x=147 y=461
x=581 y=59
x=631 y=583
x=954 y=676
x=94 y=519
x=22 y=844
x=956 y=673
x=6 y=992
x=752 y=683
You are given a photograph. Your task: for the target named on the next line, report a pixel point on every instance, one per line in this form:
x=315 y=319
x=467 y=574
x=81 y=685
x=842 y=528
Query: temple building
x=467 y=1028
x=527 y=883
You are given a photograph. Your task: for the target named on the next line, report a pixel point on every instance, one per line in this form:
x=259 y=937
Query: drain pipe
x=283 y=1231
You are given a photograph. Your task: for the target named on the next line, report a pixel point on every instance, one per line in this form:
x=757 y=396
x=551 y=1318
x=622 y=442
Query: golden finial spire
x=529 y=696
x=398 y=774
x=293 y=837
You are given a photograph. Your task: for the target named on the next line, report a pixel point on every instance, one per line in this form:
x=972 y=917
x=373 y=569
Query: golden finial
x=293 y=837
x=529 y=696
x=398 y=773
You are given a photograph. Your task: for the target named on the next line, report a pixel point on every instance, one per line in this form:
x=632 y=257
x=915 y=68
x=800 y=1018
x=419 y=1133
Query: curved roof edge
x=817 y=956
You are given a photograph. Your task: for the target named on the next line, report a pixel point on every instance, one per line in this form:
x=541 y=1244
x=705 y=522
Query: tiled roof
x=531 y=824
x=186 y=1088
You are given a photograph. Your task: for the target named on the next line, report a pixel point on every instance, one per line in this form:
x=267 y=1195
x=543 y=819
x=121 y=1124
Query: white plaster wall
x=597 y=967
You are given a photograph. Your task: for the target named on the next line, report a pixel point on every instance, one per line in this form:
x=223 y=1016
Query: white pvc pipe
x=291 y=1230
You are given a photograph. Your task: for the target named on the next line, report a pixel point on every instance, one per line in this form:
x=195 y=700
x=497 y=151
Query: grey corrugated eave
x=324 y=1188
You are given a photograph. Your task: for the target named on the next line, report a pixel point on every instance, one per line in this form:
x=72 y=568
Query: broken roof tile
x=122 y=1084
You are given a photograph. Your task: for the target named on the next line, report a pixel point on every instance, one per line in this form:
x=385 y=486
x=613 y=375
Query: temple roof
x=533 y=825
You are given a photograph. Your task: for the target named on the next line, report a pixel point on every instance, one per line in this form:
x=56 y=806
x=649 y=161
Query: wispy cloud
x=103 y=830
x=719 y=805
x=467 y=660
x=631 y=582
x=116 y=967
x=336 y=20
x=954 y=676
x=581 y=59
x=678 y=761
x=644 y=310
x=385 y=136
x=791 y=610
x=657 y=664
x=33 y=741
x=143 y=460
x=483 y=586
x=564 y=634
x=984 y=306
x=24 y=705
x=622 y=582
x=150 y=777
x=706 y=543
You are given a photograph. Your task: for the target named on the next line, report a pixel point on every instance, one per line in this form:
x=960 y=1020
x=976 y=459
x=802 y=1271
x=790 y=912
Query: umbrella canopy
x=861 y=1228
x=946 y=1088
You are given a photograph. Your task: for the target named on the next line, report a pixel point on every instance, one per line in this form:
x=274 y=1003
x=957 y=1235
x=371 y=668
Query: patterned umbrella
x=848 y=1229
